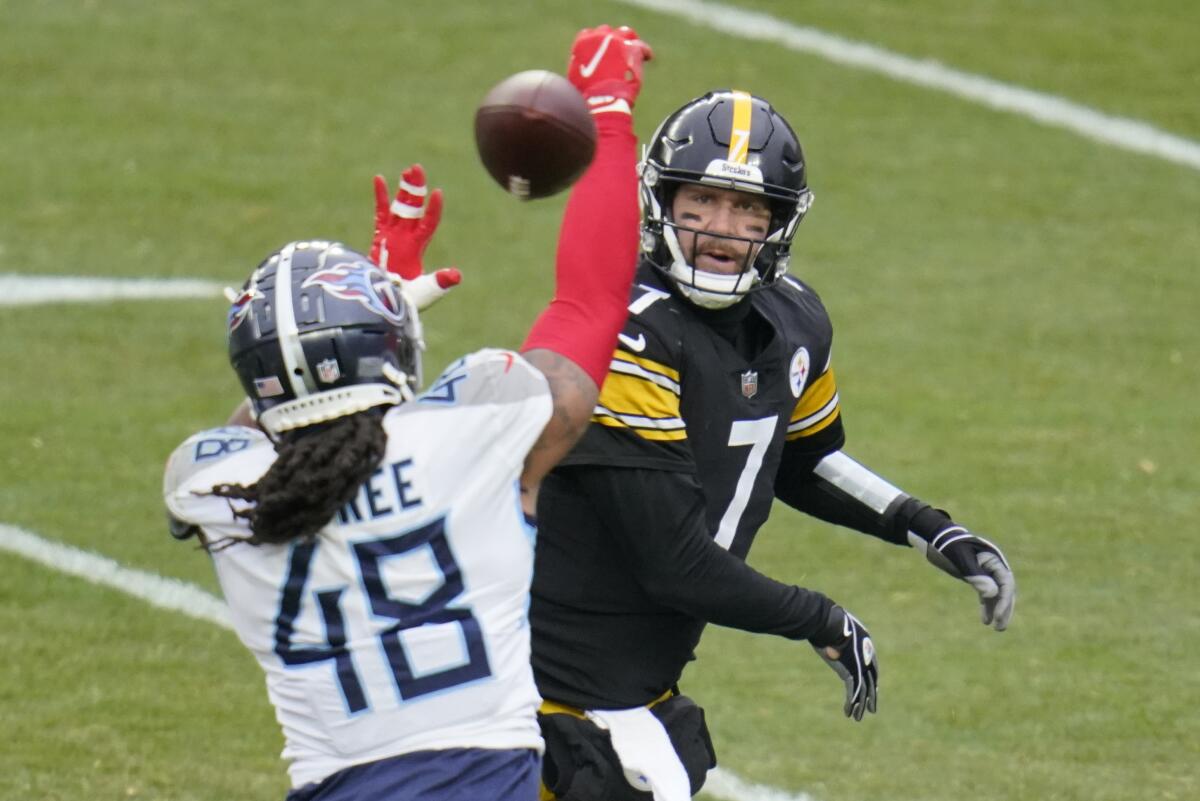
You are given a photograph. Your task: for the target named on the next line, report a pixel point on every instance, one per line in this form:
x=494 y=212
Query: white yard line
x=165 y=593
x=1048 y=109
x=727 y=786
x=26 y=290
x=190 y=600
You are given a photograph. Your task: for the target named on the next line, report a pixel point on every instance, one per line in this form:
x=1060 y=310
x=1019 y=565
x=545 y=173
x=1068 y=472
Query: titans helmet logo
x=362 y=282
x=239 y=310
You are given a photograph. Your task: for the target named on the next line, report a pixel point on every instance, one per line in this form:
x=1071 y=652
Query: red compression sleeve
x=597 y=254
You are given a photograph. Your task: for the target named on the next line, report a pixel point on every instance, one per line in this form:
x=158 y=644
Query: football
x=534 y=134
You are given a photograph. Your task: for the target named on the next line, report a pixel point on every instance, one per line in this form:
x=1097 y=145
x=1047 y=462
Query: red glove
x=403 y=230
x=606 y=66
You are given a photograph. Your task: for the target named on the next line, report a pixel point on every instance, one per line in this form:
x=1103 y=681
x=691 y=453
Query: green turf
x=1016 y=340
x=106 y=697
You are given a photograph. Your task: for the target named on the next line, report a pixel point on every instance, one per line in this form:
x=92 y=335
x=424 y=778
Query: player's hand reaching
x=978 y=562
x=403 y=229
x=846 y=647
x=606 y=67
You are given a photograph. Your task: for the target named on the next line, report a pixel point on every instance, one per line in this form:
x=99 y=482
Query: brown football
x=534 y=134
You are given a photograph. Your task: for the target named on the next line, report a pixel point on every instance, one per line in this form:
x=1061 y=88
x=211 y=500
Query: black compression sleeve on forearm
x=657 y=519
x=797 y=485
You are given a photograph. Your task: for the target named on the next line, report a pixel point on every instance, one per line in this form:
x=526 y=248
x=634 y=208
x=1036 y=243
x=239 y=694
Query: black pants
x=581 y=765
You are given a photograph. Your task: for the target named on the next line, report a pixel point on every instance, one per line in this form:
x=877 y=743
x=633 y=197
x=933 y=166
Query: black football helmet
x=319 y=332
x=731 y=140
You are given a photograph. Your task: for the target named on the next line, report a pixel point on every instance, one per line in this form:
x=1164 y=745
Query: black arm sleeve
x=798 y=485
x=625 y=579
x=662 y=531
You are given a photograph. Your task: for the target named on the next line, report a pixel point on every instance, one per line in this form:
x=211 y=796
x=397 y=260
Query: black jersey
x=680 y=396
x=688 y=434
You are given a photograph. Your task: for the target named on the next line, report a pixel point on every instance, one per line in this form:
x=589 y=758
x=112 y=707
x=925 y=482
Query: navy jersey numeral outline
x=433 y=609
x=443 y=389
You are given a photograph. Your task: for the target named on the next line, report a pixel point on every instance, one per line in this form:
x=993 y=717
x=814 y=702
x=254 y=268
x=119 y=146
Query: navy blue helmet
x=319 y=332
x=731 y=140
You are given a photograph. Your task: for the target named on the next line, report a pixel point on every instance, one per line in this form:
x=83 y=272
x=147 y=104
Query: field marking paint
x=27 y=290
x=1048 y=109
x=188 y=599
x=165 y=593
x=729 y=787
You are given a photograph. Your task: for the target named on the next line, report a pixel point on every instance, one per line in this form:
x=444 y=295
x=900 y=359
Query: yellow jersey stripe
x=816 y=396
x=645 y=433
x=646 y=364
x=635 y=420
x=739 y=134
x=620 y=367
x=635 y=395
x=820 y=425
x=668 y=427
x=818 y=416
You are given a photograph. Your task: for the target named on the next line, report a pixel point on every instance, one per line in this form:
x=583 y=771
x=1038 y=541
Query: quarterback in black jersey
x=720 y=397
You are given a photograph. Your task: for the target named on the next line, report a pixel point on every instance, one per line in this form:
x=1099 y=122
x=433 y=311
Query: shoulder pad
x=214 y=445
x=490 y=375
x=233 y=454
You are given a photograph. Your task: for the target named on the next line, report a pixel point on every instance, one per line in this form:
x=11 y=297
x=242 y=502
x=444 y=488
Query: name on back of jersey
x=392 y=488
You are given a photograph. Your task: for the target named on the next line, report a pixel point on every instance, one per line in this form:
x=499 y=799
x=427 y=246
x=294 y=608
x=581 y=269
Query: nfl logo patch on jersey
x=750 y=383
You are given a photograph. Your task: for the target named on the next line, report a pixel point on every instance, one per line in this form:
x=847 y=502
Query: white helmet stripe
x=286 y=329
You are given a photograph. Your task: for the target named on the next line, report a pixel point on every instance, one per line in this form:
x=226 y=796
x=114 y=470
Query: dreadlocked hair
x=317 y=471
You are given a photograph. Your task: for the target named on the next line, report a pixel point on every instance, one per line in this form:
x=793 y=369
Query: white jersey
x=403 y=625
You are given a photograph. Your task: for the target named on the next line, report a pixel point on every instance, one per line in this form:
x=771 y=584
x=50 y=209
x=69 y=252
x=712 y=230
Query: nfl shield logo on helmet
x=750 y=383
x=328 y=370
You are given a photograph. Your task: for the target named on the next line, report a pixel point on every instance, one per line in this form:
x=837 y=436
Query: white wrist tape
x=857 y=481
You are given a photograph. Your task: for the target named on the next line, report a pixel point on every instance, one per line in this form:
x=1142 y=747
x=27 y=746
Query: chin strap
x=705 y=299
x=707 y=290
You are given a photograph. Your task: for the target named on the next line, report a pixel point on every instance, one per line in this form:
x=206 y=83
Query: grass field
x=1017 y=339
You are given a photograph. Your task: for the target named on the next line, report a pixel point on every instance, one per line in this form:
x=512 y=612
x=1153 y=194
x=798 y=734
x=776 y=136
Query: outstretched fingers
x=381 y=200
x=432 y=216
x=410 y=196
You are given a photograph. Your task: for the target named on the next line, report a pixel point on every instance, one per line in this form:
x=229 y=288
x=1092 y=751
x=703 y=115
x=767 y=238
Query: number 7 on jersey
x=758 y=435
